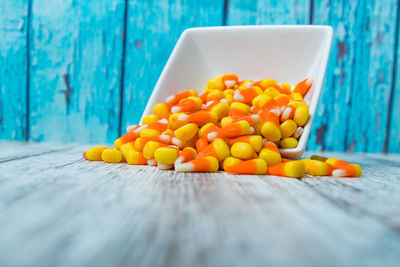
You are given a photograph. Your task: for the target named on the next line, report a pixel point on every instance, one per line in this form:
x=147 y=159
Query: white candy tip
x=224 y=100
x=255 y=117
x=209 y=103
x=185 y=167
x=151 y=162
x=338 y=173
x=176 y=142
x=249 y=85
x=170 y=98
x=230 y=83
x=264 y=140
x=309 y=81
x=238 y=97
x=252 y=130
x=130 y=128
x=162 y=166
x=212 y=136
x=178 y=161
x=286 y=113
x=183 y=117
x=163 y=121
x=175 y=109
x=140 y=128
x=298 y=132
x=165 y=138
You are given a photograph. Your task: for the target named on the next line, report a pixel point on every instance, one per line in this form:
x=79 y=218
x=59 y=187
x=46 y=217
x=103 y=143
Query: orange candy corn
x=351 y=170
x=295 y=169
x=201 y=117
x=303 y=86
x=218 y=149
x=131 y=155
x=270 y=153
x=271 y=128
x=141 y=141
x=206 y=164
x=250 y=118
x=317 y=168
x=187 y=154
x=282 y=100
x=238 y=108
x=235 y=129
x=252 y=166
x=281 y=89
x=254 y=140
x=219 y=107
x=246 y=96
x=190 y=104
x=201 y=143
x=174 y=99
x=230 y=80
x=287 y=113
x=126 y=138
x=337 y=163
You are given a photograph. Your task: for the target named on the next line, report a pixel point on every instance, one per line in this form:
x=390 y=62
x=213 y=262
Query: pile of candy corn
x=235 y=126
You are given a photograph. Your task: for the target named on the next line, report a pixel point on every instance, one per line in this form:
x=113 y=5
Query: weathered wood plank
x=72 y=212
x=330 y=127
x=268 y=12
x=376 y=193
x=152 y=30
x=352 y=114
x=393 y=145
x=76 y=52
x=374 y=70
x=13 y=69
x=17 y=150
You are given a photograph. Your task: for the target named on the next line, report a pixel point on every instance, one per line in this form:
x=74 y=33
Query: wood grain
x=11 y=150
x=58 y=210
x=13 y=69
x=152 y=31
x=393 y=138
x=268 y=12
x=352 y=114
x=76 y=52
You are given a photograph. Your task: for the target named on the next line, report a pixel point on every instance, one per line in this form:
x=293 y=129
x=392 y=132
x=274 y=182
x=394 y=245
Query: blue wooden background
x=81 y=71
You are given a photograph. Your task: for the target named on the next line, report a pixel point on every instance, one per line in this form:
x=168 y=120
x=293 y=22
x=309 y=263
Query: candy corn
x=206 y=164
x=253 y=166
x=234 y=125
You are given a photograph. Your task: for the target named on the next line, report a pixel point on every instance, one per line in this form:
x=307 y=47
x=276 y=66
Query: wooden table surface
x=59 y=210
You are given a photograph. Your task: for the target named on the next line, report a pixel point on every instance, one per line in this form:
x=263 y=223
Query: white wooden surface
x=58 y=210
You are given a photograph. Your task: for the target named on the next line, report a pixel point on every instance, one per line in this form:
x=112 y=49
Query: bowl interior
x=285 y=53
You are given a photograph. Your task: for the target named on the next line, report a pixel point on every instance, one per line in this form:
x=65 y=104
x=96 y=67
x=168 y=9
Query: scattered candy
x=235 y=125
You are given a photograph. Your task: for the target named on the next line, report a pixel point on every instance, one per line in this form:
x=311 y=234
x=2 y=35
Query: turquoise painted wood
x=268 y=12
x=353 y=111
x=153 y=27
x=331 y=124
x=13 y=69
x=393 y=142
x=76 y=54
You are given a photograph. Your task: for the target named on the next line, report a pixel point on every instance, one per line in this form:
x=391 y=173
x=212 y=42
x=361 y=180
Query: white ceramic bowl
x=285 y=53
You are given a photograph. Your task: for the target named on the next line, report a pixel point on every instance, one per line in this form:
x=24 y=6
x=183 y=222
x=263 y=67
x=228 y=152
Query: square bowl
x=285 y=53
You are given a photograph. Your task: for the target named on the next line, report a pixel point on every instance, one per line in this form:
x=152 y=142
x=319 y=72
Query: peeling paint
x=321 y=134
x=343 y=50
